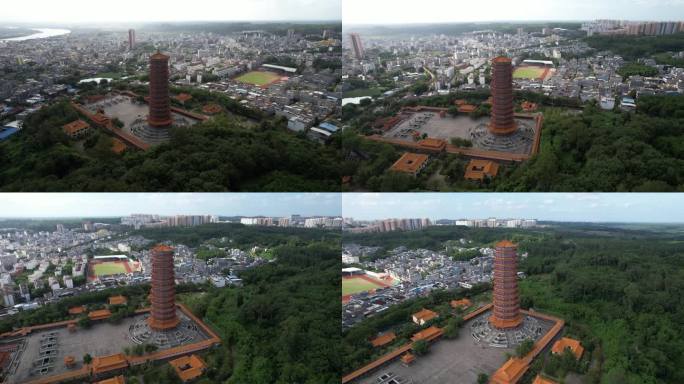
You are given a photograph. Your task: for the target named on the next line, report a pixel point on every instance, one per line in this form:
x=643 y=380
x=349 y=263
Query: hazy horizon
x=130 y=11
x=388 y=12
x=560 y=207
x=81 y=205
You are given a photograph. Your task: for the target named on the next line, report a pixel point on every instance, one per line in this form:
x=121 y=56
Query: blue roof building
x=328 y=127
x=6 y=132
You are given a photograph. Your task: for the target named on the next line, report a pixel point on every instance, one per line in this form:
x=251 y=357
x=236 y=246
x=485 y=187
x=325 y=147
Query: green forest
x=222 y=154
x=619 y=288
x=282 y=326
x=239 y=235
x=636 y=47
x=607 y=151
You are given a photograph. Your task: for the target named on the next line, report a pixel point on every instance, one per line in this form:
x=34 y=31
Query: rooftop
x=159 y=56
x=463 y=303
x=77 y=310
x=566 y=342
x=99 y=314
x=480 y=169
x=162 y=248
x=425 y=314
x=543 y=380
x=75 y=126
x=188 y=367
x=106 y=363
x=410 y=163
x=117 y=300
x=510 y=372
x=428 y=334
x=505 y=244
x=383 y=339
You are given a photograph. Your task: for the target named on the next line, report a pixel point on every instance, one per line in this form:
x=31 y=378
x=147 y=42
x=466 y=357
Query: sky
x=131 y=11
x=585 y=207
x=45 y=205
x=445 y=11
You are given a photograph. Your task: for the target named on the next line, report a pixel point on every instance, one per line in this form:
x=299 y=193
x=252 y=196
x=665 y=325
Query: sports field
x=525 y=72
x=258 y=78
x=354 y=285
x=109 y=268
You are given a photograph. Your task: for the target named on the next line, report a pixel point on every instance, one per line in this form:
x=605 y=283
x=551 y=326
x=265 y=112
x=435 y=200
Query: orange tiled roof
x=69 y=361
x=467 y=108
x=502 y=59
x=162 y=248
x=188 y=367
x=479 y=169
x=114 y=380
x=75 y=126
x=566 y=342
x=100 y=118
x=99 y=314
x=183 y=97
x=108 y=363
x=543 y=380
x=528 y=106
x=118 y=146
x=425 y=314
x=409 y=163
x=159 y=56
x=431 y=143
x=77 y=310
x=464 y=303
x=211 y=109
x=510 y=372
x=117 y=300
x=383 y=339
x=460 y=102
x=427 y=334
x=408 y=358
x=504 y=244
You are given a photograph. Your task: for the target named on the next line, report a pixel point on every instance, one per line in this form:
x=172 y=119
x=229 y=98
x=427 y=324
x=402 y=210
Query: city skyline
x=359 y=12
x=129 y=11
x=567 y=207
x=84 y=205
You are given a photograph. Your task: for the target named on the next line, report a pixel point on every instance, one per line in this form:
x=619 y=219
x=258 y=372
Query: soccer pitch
x=108 y=268
x=355 y=285
x=528 y=73
x=258 y=78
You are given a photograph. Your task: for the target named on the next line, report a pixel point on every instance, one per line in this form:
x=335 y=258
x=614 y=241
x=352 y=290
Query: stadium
x=100 y=267
x=267 y=75
x=356 y=280
x=533 y=70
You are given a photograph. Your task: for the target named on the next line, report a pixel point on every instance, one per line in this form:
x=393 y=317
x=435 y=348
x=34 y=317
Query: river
x=42 y=33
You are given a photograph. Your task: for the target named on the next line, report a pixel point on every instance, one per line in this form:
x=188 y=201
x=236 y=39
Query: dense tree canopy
x=219 y=155
x=636 y=47
x=607 y=151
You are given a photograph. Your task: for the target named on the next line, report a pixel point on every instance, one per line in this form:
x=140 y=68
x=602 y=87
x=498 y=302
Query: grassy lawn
x=104 y=269
x=373 y=92
x=258 y=78
x=527 y=73
x=353 y=286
